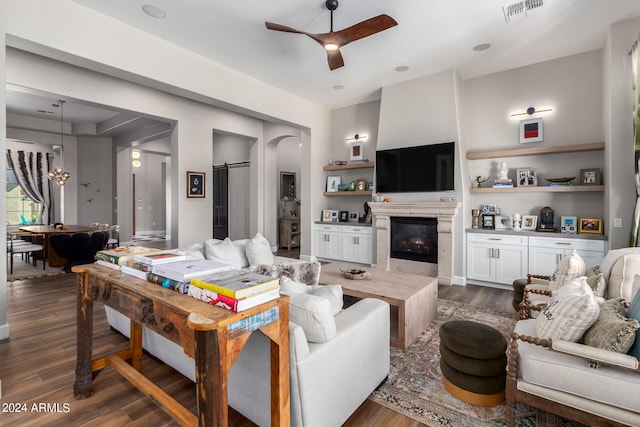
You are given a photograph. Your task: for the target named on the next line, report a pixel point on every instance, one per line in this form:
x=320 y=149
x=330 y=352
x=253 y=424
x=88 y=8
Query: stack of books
x=116 y=258
x=502 y=183
x=177 y=275
x=235 y=290
x=141 y=265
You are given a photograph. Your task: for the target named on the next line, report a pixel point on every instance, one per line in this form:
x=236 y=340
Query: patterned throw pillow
x=570 y=267
x=305 y=272
x=596 y=281
x=612 y=331
x=571 y=310
x=634 y=313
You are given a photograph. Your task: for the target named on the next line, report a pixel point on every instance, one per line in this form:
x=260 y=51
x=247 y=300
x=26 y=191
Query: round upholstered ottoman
x=473 y=362
x=518 y=295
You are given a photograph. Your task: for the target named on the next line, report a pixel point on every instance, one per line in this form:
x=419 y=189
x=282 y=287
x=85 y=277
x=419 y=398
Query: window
x=18 y=204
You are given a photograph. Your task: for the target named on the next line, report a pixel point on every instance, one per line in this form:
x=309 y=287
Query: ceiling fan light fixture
x=331 y=47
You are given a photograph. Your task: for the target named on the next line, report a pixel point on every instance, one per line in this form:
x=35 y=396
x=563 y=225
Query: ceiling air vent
x=519 y=9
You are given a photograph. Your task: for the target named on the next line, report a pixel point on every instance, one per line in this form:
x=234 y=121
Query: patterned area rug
x=23 y=270
x=414 y=387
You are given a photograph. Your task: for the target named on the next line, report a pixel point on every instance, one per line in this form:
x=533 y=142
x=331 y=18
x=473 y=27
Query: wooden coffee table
x=413 y=299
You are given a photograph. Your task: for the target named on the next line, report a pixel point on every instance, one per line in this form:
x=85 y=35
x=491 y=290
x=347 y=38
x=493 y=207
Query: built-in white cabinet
x=349 y=243
x=496 y=258
x=546 y=252
x=502 y=257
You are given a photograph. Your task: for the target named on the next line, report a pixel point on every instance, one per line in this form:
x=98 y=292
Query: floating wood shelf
x=362 y=165
x=541 y=189
x=348 y=193
x=531 y=151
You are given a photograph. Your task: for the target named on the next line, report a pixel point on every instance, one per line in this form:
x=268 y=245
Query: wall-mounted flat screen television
x=415 y=169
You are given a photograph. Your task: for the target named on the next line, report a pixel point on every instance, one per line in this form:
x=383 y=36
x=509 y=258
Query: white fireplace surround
x=443 y=211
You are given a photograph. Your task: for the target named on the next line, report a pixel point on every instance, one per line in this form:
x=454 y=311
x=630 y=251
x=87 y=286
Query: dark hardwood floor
x=37 y=364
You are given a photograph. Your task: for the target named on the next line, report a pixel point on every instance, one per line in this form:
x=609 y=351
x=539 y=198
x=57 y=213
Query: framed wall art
x=354 y=216
x=526 y=177
x=195 y=184
x=590 y=176
x=531 y=130
x=356 y=151
x=332 y=183
x=529 y=222
x=361 y=184
x=590 y=226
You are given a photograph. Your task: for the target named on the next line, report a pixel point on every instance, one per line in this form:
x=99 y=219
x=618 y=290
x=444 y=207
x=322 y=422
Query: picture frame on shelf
x=354 y=217
x=569 y=224
x=503 y=222
x=488 y=221
x=526 y=177
x=332 y=183
x=344 y=216
x=335 y=215
x=529 y=222
x=361 y=184
x=370 y=186
x=489 y=208
x=326 y=215
x=531 y=130
x=356 y=151
x=196 y=184
x=591 y=176
x=590 y=226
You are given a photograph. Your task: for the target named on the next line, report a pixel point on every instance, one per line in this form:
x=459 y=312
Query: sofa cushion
x=304 y=272
x=570 y=267
x=313 y=314
x=570 y=374
x=223 y=251
x=622 y=274
x=333 y=293
x=634 y=313
x=571 y=310
x=612 y=331
x=258 y=250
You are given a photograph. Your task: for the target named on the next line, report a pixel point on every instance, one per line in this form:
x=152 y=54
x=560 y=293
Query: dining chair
x=114 y=236
x=17 y=245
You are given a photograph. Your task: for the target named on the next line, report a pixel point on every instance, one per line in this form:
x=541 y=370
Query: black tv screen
x=415 y=169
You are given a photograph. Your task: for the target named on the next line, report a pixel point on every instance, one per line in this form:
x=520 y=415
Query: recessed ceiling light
x=402 y=68
x=153 y=11
x=482 y=46
x=339 y=87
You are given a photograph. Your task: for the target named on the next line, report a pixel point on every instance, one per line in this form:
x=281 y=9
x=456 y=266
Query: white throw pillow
x=313 y=314
x=570 y=267
x=223 y=252
x=620 y=283
x=333 y=293
x=571 y=310
x=241 y=249
x=290 y=287
x=258 y=251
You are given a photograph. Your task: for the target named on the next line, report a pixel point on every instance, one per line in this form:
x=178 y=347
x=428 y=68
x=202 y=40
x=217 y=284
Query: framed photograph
x=361 y=184
x=353 y=216
x=489 y=208
x=488 y=221
x=326 y=215
x=370 y=186
x=356 y=151
x=332 y=183
x=529 y=222
x=569 y=224
x=344 y=216
x=590 y=176
x=590 y=226
x=335 y=215
x=287 y=185
x=526 y=177
x=195 y=184
x=531 y=130
x=503 y=222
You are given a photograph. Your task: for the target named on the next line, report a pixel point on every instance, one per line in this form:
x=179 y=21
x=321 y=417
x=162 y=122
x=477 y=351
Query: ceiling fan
x=334 y=40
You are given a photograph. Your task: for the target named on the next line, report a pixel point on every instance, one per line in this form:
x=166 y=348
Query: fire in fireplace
x=414 y=239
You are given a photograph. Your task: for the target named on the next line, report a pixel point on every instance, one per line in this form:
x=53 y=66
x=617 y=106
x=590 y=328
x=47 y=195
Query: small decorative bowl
x=343 y=187
x=354 y=273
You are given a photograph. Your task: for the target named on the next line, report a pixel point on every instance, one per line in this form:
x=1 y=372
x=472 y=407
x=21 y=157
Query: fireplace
x=414 y=239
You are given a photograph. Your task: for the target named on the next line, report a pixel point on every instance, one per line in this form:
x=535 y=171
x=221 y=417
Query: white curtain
x=30 y=169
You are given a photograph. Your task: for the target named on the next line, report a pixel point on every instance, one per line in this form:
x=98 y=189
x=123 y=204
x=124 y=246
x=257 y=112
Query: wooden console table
x=211 y=335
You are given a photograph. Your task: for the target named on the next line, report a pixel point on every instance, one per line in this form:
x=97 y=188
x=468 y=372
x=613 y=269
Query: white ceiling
x=431 y=36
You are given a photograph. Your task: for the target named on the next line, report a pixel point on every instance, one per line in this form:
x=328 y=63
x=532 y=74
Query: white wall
x=95 y=199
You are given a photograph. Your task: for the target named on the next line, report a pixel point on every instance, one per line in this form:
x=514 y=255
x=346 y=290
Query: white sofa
x=329 y=380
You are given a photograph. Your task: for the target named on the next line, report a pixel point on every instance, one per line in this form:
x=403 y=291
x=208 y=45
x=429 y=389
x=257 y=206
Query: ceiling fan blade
x=363 y=29
x=335 y=60
x=283 y=28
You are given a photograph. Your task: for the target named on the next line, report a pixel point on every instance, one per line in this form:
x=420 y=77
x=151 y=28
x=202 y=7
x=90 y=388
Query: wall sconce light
x=357 y=137
x=136 y=163
x=135 y=154
x=530 y=111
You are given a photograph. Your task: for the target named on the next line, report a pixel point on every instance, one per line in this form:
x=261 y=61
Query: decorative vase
x=476 y=218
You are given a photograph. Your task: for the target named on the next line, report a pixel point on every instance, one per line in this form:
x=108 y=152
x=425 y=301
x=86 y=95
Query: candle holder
x=476 y=218
x=516 y=222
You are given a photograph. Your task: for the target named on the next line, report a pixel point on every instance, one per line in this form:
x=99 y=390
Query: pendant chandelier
x=59 y=175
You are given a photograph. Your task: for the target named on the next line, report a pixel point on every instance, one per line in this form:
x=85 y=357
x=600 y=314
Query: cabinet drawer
x=356 y=230
x=567 y=243
x=498 y=239
x=333 y=228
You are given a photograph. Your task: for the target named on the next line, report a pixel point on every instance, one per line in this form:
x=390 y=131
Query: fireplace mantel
x=443 y=211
